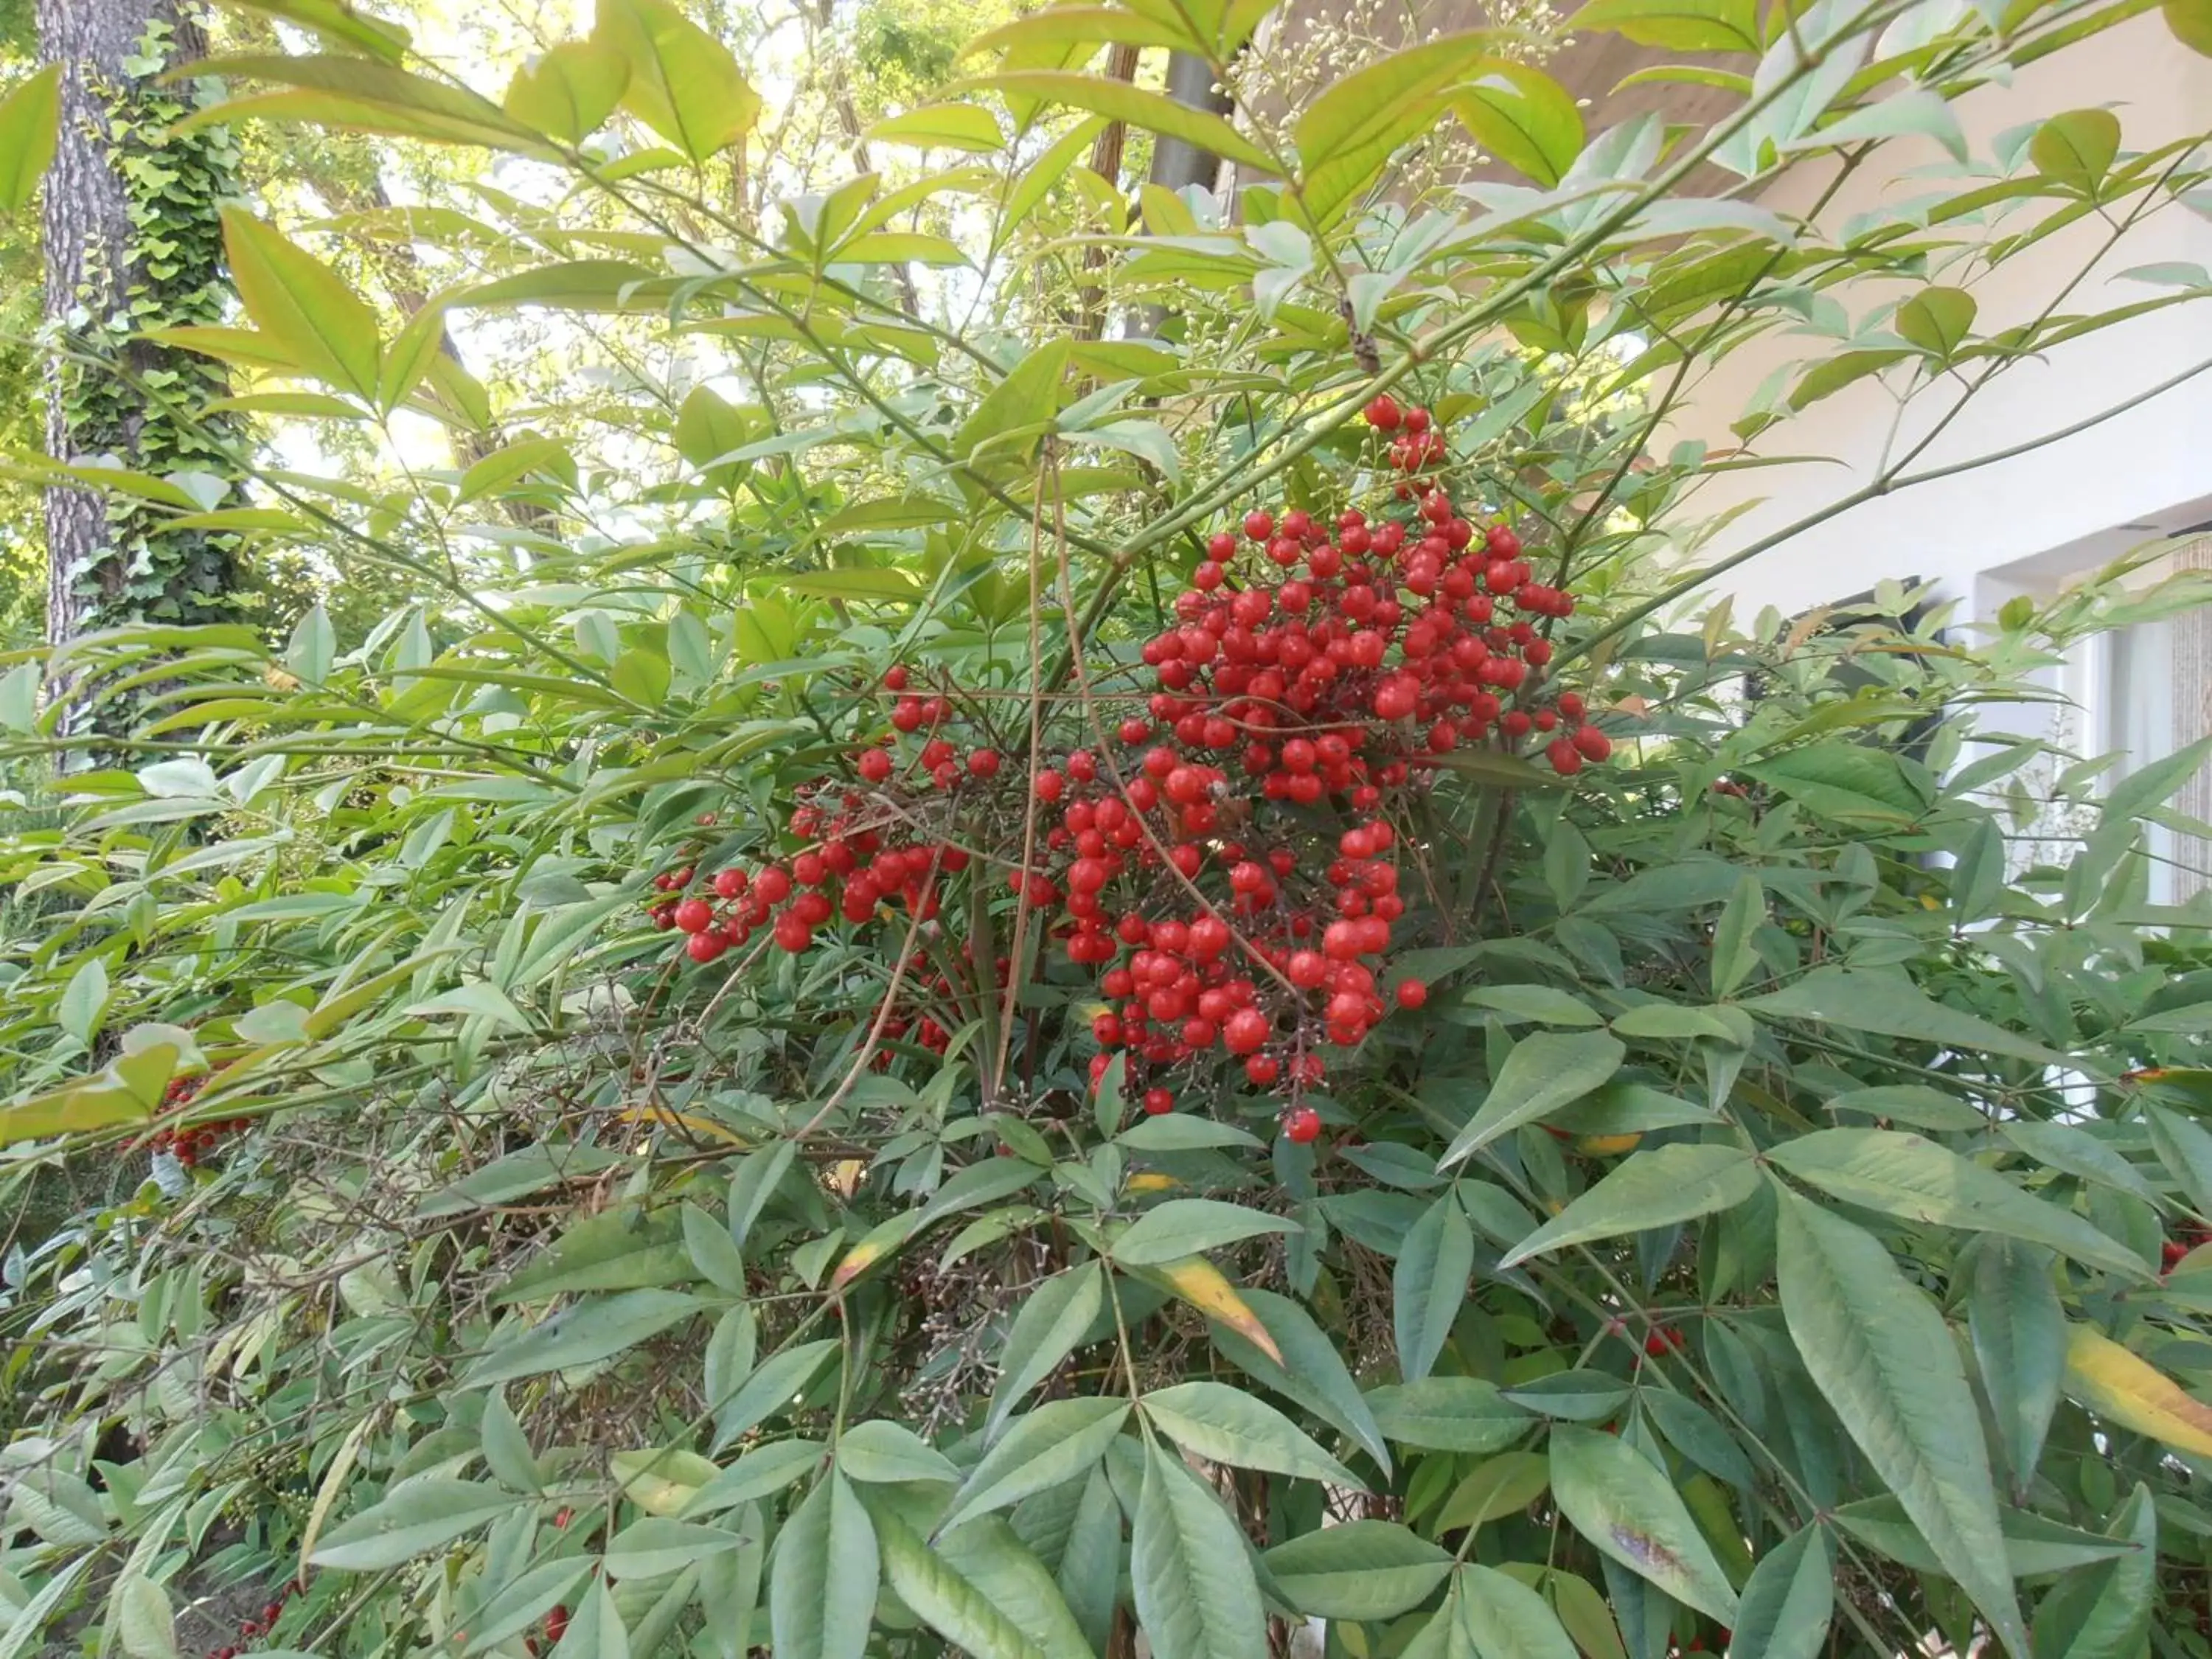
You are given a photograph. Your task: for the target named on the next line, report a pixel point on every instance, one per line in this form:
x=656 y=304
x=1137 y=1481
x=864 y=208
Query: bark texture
x=125 y=250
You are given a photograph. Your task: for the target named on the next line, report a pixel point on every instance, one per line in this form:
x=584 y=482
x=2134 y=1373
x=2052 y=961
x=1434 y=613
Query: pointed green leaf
x=2104 y=1612
x=414 y=1517
x=1429 y=1284
x=1058 y=1442
x=1052 y=1320
x=1190 y=1226
x=1879 y=1353
x=583 y=1334
x=299 y=302
x=1118 y=100
x=1907 y=1175
x=568 y=91
x=822 y=1579
x=945 y=1599
x=30 y=128
x=2019 y=1331
x=1506 y=1620
x=1362 y=1569
x=1544 y=1072
x=1787 y=1602
x=1449 y=1414
x=1224 y=1424
x=1654 y=1187
x=1890 y=1004
x=684 y=83
x=1197 y=1596
x=1627 y=1506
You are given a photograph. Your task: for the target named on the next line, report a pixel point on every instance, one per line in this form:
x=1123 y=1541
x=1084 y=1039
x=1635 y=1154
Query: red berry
x=1384 y=414
x=876 y=765
x=1246 y=1032
x=792 y=934
x=1259 y=525
x=773 y=885
x=1158 y=1101
x=984 y=762
x=1220 y=546
x=1566 y=760
x=1412 y=993
x=1302 y=1124
x=695 y=915
x=895 y=677
x=1594 y=744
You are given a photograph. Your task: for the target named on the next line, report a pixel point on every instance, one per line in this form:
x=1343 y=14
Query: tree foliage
x=1759 y=1237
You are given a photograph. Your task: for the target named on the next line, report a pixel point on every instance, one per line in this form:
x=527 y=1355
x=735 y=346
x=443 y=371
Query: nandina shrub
x=1046 y=994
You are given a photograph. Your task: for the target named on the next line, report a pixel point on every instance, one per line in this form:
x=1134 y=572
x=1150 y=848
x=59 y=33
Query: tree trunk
x=132 y=241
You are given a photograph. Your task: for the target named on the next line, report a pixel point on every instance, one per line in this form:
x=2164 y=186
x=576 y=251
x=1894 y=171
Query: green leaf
x=1539 y=1003
x=19 y=697
x=1197 y=1596
x=1058 y=1442
x=597 y=1631
x=880 y=1452
x=506 y=1448
x=1907 y=1176
x=1937 y=320
x=143 y=1621
x=2190 y=21
x=1190 y=1226
x=1626 y=1507
x=684 y=83
x=1348 y=133
x=654 y=1547
x=583 y=1334
x=1026 y=398
x=513 y=463
x=1580 y=1395
x=83 y=1000
x=1878 y=1352
x=1362 y=1569
x=767 y=1468
x=1787 y=1602
x=2105 y=1612
x=30 y=128
x=1654 y=1187
x=1449 y=1414
x=780 y=1379
x=314 y=648
x=1920 y=110
x=991 y=1555
x=568 y=91
x=1118 y=100
x=299 y=302
x=1053 y=1319
x=1522 y=116
x=1224 y=1424
x=2018 y=1329
x=1890 y=1004
x=413 y=1518
x=1429 y=1284
x=1846 y=782
x=2035 y=1545
x=1544 y=1072
x=1698 y=1436
x=1500 y=1486
x=941 y=126
x=1506 y=1620
x=2077 y=148
x=1679 y=25
x=822 y=1579
x=1309 y=1371
x=1735 y=952
x=944 y=1599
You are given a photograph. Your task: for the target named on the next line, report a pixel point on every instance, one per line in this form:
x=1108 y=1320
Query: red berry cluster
x=1226 y=861
x=252 y=1629
x=193 y=1141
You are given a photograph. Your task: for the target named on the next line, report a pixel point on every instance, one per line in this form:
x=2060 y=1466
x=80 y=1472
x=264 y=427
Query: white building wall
x=2061 y=508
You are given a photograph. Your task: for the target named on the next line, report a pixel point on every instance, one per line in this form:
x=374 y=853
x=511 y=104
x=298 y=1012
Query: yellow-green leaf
x=684 y=83
x=300 y=303
x=941 y=126
x=1679 y=25
x=1120 y=102
x=2106 y=1378
x=2077 y=148
x=30 y=125
x=1524 y=117
x=1348 y=133
x=570 y=90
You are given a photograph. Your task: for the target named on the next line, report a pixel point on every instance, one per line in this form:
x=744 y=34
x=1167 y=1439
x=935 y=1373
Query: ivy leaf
x=1428 y=1286
x=1544 y=1072
x=1787 y=1602
x=822 y=1579
x=1197 y=1596
x=30 y=130
x=1907 y=1176
x=1878 y=1352
x=1626 y=1505
x=684 y=83
x=299 y=302
x=1655 y=1188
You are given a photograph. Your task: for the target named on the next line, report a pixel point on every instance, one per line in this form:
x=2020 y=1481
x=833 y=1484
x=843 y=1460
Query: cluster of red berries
x=2174 y=1251
x=194 y=1141
x=252 y=1629
x=1226 y=859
